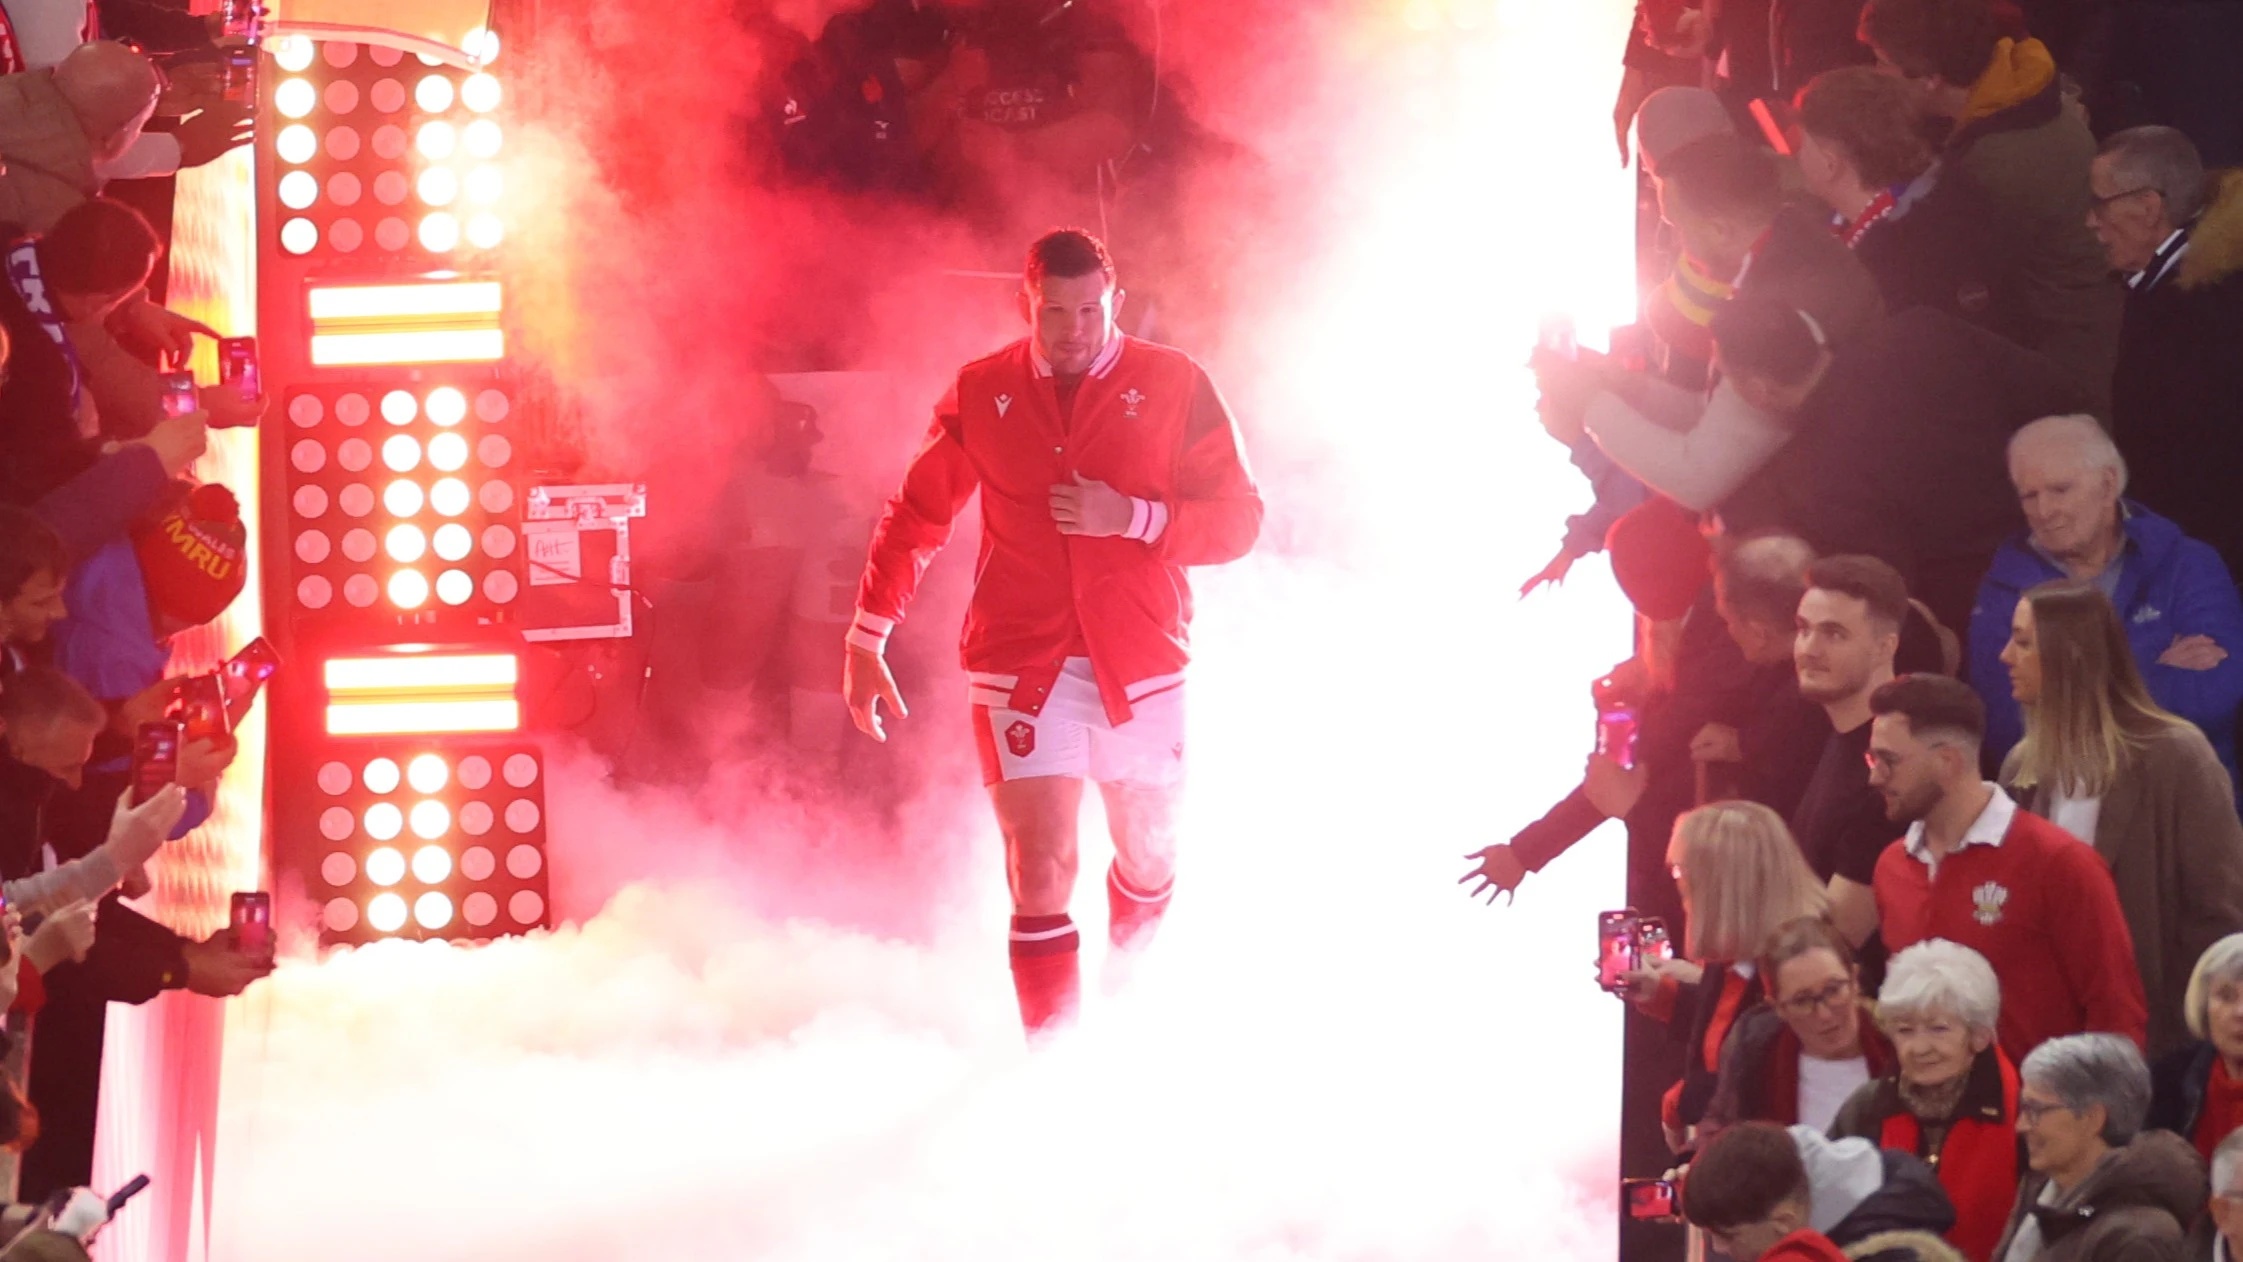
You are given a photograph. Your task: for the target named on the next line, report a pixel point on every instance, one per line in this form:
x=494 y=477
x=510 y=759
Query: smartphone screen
x=237 y=365
x=245 y=673
x=155 y=757
x=203 y=709
x=1652 y=942
x=1616 y=734
x=253 y=923
x=1649 y=1198
x=1616 y=953
x=178 y=393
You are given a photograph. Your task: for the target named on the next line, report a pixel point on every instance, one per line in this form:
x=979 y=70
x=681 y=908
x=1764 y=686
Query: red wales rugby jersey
x=1146 y=421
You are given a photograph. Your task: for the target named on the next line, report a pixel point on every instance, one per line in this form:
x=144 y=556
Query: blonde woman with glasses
x=2143 y=786
x=1741 y=878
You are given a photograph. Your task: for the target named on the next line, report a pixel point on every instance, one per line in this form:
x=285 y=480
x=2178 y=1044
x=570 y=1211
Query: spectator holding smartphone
x=1741 y=878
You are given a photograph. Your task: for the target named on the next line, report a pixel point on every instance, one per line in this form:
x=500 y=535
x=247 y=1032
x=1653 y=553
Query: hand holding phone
x=245 y=673
x=155 y=757
x=237 y=366
x=179 y=394
x=1616 y=950
x=201 y=708
x=252 y=924
x=1655 y=1200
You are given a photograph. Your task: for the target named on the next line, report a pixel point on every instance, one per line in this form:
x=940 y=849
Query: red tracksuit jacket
x=1146 y=421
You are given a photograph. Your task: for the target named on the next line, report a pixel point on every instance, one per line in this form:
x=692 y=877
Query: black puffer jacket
x=1911 y=1200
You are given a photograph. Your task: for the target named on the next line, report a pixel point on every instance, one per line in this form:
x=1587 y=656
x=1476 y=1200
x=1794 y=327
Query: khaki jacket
x=2169 y=832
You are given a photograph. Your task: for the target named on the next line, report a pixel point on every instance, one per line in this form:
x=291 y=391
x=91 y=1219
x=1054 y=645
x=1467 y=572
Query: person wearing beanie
x=180 y=568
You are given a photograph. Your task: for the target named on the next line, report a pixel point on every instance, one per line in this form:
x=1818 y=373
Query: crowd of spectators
x=1919 y=473
x=109 y=547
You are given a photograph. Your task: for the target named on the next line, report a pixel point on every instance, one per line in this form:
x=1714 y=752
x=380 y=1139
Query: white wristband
x=870 y=632
x=1147 y=519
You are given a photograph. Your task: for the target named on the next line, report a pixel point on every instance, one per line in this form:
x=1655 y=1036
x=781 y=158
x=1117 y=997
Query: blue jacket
x=108 y=643
x=2171 y=586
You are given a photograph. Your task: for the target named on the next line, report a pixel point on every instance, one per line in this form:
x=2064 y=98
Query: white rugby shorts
x=1072 y=736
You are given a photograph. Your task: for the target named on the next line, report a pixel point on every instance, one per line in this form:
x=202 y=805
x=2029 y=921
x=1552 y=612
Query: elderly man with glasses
x=2176 y=233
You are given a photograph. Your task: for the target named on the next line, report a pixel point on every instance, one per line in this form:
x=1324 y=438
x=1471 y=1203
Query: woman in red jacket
x=1953 y=1099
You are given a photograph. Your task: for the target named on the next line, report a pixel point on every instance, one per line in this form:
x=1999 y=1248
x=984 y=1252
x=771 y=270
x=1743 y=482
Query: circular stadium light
x=432 y=910
x=408 y=589
x=399 y=407
x=386 y=912
x=381 y=776
x=401 y=452
x=299 y=236
x=454 y=587
x=293 y=52
x=405 y=543
x=449 y=497
x=480 y=92
x=295 y=98
x=383 y=822
x=298 y=190
x=296 y=144
x=431 y=819
x=436 y=140
x=433 y=93
x=447 y=453
x=427 y=773
x=432 y=865
x=452 y=543
x=386 y=865
x=447 y=406
x=402 y=498
x=438 y=186
x=440 y=233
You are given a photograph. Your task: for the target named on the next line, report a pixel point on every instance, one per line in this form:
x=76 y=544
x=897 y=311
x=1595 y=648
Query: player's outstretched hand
x=1499 y=872
x=866 y=682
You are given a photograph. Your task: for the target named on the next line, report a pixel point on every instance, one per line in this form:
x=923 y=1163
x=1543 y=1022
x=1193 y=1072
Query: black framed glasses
x=1833 y=995
x=2102 y=205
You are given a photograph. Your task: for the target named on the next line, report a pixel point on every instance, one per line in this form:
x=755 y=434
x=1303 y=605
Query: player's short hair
x=1763 y=577
x=1868 y=580
x=1875 y=120
x=1742 y=1175
x=1934 y=705
x=1953 y=39
x=40 y=695
x=28 y=546
x=1723 y=177
x=1067 y=252
x=98 y=247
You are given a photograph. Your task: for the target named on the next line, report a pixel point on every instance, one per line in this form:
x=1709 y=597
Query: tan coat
x=2169 y=832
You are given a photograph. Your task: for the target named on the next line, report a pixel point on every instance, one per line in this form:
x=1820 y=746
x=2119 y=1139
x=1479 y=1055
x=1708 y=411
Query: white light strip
x=456 y=670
